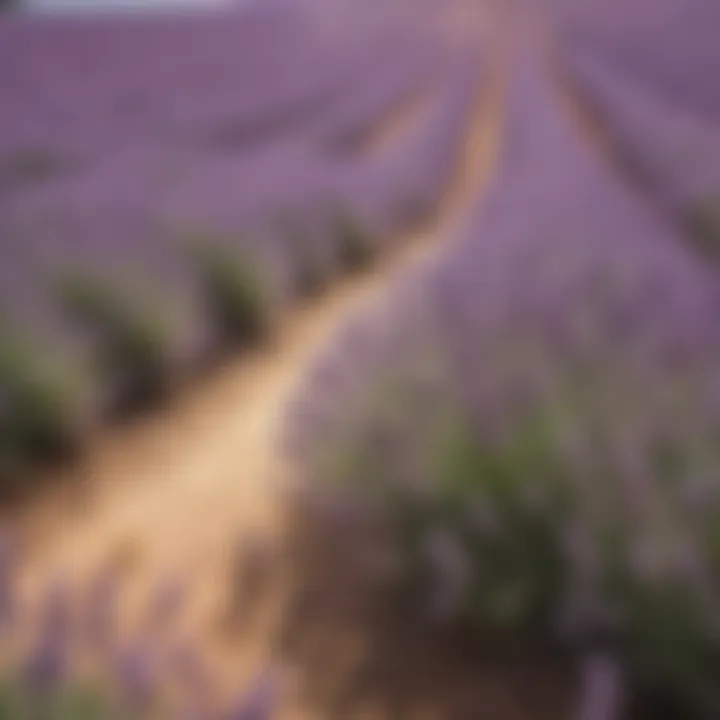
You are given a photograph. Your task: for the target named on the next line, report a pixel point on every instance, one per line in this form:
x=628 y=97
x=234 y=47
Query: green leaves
x=40 y=417
x=130 y=340
x=354 y=242
x=235 y=294
x=668 y=649
x=704 y=223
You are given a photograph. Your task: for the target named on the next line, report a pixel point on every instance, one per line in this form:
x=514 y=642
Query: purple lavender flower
x=101 y=607
x=136 y=673
x=47 y=665
x=260 y=702
x=602 y=689
x=165 y=605
x=55 y=613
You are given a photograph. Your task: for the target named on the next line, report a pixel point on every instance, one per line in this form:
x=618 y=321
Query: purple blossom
x=136 y=670
x=576 y=338
x=260 y=702
x=55 y=613
x=102 y=605
x=47 y=665
x=602 y=689
x=166 y=604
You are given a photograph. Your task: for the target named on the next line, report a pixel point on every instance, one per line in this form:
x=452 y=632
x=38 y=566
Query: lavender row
x=669 y=44
x=78 y=88
x=120 y=214
x=136 y=271
x=675 y=152
x=352 y=121
x=530 y=428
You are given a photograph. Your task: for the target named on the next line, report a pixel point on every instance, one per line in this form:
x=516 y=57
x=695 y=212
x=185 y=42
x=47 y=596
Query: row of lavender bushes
x=529 y=432
x=94 y=86
x=669 y=45
x=653 y=92
x=121 y=277
x=128 y=353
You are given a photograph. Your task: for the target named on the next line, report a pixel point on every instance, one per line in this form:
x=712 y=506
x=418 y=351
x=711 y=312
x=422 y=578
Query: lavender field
x=361 y=360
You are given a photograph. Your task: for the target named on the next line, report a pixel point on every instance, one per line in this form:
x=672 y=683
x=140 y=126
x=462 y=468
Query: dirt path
x=177 y=489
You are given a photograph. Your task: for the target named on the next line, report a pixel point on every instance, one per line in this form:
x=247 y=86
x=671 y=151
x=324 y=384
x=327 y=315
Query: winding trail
x=176 y=490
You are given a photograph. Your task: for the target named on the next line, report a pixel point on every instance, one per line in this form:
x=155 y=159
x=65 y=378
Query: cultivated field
x=361 y=360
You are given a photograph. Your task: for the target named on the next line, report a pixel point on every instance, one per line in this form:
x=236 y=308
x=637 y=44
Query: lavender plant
x=527 y=423
x=40 y=409
x=667 y=45
x=137 y=132
x=131 y=342
x=670 y=150
x=310 y=274
x=356 y=246
x=236 y=295
x=32 y=166
x=354 y=121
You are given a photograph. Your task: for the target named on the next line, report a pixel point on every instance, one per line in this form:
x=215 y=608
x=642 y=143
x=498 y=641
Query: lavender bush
x=529 y=426
x=355 y=244
x=668 y=45
x=131 y=343
x=108 y=157
x=352 y=122
x=41 y=414
x=672 y=151
x=236 y=294
x=529 y=430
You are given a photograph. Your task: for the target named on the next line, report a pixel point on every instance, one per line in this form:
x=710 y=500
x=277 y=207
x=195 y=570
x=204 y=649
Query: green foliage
x=671 y=657
x=11 y=706
x=130 y=339
x=704 y=223
x=235 y=294
x=80 y=703
x=70 y=703
x=355 y=246
x=39 y=413
x=575 y=456
x=33 y=164
x=309 y=277
x=517 y=572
